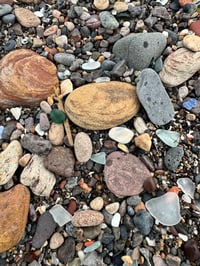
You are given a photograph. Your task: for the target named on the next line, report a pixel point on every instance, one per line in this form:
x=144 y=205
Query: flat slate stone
x=140 y=49
x=154 y=98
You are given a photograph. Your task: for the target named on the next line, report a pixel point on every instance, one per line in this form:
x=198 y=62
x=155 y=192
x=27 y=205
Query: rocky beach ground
x=99 y=132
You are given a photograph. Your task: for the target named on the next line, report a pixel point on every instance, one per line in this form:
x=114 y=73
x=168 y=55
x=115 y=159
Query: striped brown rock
x=26 y=79
x=179 y=66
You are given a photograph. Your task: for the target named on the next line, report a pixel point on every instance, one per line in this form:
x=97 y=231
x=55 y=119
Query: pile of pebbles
x=78 y=215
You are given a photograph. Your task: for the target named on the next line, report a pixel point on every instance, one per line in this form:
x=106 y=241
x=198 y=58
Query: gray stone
x=44 y=122
x=36 y=144
x=160 y=12
x=143 y=221
x=5 y=9
x=173 y=158
x=45 y=228
x=108 y=21
x=140 y=49
x=154 y=98
x=9 y=18
x=65 y=59
x=92 y=259
x=66 y=252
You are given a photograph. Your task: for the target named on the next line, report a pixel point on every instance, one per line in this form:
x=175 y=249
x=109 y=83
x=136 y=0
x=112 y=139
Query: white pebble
x=39 y=131
x=116 y=220
x=183 y=237
x=16 y=112
x=121 y=134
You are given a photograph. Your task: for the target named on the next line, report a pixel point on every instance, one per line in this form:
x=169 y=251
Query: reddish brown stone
x=184 y=2
x=191 y=250
x=195 y=26
x=9 y=2
x=14 y=206
x=26 y=79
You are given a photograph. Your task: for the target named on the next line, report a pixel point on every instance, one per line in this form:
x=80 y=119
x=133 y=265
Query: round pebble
x=97 y=203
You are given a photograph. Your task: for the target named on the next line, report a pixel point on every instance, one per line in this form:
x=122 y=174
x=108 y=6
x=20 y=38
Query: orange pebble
x=174 y=189
x=62 y=184
x=86 y=188
x=140 y=206
x=89 y=243
x=184 y=2
x=98 y=37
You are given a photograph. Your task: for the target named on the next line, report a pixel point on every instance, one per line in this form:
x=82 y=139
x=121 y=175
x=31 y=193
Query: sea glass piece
x=170 y=138
x=99 y=157
x=187 y=186
x=165 y=209
x=121 y=134
x=190 y=104
x=57 y=116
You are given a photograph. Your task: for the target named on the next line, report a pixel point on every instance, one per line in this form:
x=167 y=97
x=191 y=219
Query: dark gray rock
x=45 y=228
x=36 y=144
x=66 y=252
x=60 y=161
x=154 y=98
x=140 y=49
x=173 y=158
x=143 y=221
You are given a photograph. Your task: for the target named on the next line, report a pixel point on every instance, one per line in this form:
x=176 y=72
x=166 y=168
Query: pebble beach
x=99 y=133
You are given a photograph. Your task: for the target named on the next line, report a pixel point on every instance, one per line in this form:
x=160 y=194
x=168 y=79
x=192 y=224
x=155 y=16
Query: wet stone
x=143 y=221
x=173 y=158
x=154 y=98
x=66 y=252
x=36 y=144
x=45 y=228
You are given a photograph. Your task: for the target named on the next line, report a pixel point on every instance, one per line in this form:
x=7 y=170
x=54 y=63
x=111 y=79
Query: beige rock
x=14 y=207
x=9 y=161
x=82 y=147
x=37 y=177
x=56 y=134
x=101 y=4
x=66 y=87
x=103 y=105
x=179 y=66
x=192 y=42
x=87 y=218
x=112 y=208
x=23 y=161
x=120 y=6
x=143 y=142
x=56 y=240
x=97 y=203
x=26 y=79
x=26 y=17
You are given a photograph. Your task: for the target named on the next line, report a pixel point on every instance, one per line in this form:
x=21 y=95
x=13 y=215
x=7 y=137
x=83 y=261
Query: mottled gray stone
x=173 y=158
x=154 y=98
x=108 y=21
x=5 y=9
x=65 y=59
x=36 y=144
x=140 y=49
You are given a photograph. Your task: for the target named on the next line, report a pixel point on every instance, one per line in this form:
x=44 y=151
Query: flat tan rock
x=26 y=17
x=26 y=79
x=87 y=218
x=14 y=206
x=143 y=142
x=192 y=42
x=103 y=105
x=179 y=66
x=9 y=161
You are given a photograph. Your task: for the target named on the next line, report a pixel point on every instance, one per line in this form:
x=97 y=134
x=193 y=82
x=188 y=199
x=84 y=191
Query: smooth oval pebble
x=9 y=161
x=112 y=208
x=82 y=147
x=140 y=125
x=101 y=4
x=103 y=105
x=14 y=207
x=56 y=240
x=165 y=209
x=170 y=138
x=179 y=66
x=187 y=186
x=56 y=134
x=121 y=134
x=116 y=220
x=87 y=218
x=97 y=203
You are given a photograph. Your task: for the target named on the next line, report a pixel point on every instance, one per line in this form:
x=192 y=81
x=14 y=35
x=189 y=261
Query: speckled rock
x=37 y=177
x=56 y=134
x=108 y=21
x=26 y=17
x=179 y=66
x=60 y=161
x=192 y=42
x=87 y=218
x=82 y=147
x=154 y=98
x=32 y=79
x=99 y=106
x=9 y=159
x=36 y=144
x=125 y=174
x=139 y=49
x=14 y=207
x=173 y=158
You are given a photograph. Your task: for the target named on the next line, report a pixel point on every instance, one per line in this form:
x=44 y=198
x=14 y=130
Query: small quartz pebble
x=121 y=134
x=116 y=220
x=82 y=147
x=123 y=147
x=165 y=209
x=38 y=130
x=92 y=247
x=91 y=65
x=140 y=125
x=60 y=215
x=16 y=112
x=101 y=4
x=112 y=208
x=183 y=237
x=99 y=157
x=170 y=138
x=143 y=142
x=192 y=42
x=97 y=203
x=87 y=218
x=56 y=240
x=187 y=186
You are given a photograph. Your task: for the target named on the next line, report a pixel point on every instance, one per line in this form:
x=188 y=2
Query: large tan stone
x=14 y=206
x=179 y=66
x=26 y=79
x=99 y=106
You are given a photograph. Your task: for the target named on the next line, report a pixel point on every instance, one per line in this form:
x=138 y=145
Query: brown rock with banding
x=14 y=206
x=26 y=79
x=103 y=105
